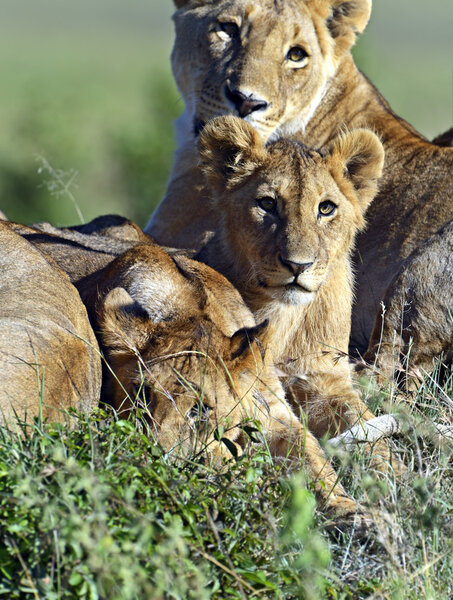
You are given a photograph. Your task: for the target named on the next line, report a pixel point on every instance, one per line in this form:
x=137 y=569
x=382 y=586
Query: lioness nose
x=244 y=104
x=295 y=267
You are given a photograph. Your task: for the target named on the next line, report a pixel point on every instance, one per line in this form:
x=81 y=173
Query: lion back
x=49 y=357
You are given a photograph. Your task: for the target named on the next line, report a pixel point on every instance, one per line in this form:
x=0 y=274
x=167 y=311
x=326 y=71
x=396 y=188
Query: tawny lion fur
x=180 y=344
x=49 y=356
x=287 y=219
x=286 y=68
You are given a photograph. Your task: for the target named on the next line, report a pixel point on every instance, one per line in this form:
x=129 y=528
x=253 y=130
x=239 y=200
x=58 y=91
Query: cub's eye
x=297 y=54
x=326 y=208
x=230 y=30
x=267 y=203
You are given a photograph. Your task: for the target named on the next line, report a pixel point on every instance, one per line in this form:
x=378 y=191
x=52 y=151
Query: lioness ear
x=221 y=302
x=182 y=3
x=124 y=324
x=360 y=156
x=347 y=19
x=230 y=149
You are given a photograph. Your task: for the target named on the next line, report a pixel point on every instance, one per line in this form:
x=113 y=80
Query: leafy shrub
x=101 y=512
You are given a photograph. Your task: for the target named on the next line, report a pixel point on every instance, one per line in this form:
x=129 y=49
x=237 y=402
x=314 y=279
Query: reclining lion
x=415 y=322
x=181 y=348
x=49 y=357
x=286 y=68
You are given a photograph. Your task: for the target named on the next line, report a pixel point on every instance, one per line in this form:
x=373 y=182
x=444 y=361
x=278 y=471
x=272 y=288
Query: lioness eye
x=231 y=29
x=296 y=54
x=326 y=208
x=267 y=203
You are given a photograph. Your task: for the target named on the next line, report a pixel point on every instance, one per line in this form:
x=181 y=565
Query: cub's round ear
x=345 y=21
x=242 y=340
x=230 y=149
x=124 y=324
x=359 y=157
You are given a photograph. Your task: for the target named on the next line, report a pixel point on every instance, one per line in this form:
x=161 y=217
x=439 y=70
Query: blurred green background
x=87 y=98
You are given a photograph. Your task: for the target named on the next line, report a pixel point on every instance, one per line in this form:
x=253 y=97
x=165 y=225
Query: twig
x=25 y=568
x=224 y=568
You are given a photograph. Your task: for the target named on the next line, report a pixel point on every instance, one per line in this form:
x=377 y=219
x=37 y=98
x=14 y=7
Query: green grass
x=100 y=511
x=88 y=88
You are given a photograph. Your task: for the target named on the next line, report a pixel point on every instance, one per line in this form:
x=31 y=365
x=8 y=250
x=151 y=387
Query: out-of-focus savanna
x=87 y=99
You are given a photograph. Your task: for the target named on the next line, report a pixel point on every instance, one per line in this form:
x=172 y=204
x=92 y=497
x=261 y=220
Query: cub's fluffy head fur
x=288 y=214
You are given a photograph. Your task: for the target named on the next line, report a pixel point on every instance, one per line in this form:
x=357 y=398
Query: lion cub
x=181 y=345
x=287 y=219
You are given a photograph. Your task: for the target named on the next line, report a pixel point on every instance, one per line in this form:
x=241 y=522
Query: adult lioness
x=286 y=68
x=287 y=219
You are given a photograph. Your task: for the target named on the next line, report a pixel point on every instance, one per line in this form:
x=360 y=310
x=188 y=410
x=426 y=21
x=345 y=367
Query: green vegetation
x=89 y=89
x=100 y=511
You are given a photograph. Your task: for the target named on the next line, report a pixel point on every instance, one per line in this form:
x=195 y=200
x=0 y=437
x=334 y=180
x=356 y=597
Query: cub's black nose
x=295 y=267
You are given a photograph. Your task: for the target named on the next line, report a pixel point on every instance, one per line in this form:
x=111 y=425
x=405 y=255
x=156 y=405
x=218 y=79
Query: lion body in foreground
x=49 y=357
x=180 y=344
x=287 y=219
x=286 y=68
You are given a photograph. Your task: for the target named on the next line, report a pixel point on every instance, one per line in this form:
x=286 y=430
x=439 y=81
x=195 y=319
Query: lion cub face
x=288 y=214
x=267 y=61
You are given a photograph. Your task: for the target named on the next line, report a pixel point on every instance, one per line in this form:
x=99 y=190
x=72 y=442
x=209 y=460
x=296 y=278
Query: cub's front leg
x=331 y=405
x=289 y=438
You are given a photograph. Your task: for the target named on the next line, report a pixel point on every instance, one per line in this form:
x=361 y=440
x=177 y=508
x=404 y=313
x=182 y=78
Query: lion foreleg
x=289 y=438
x=331 y=406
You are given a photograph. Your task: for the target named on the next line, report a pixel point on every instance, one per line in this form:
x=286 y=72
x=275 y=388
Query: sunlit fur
x=309 y=324
x=49 y=357
x=178 y=355
x=255 y=63
x=183 y=348
x=313 y=103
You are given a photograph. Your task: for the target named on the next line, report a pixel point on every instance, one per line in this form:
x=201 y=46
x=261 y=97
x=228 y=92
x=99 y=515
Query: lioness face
x=288 y=214
x=191 y=384
x=268 y=62
x=177 y=381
